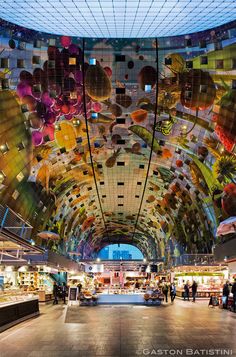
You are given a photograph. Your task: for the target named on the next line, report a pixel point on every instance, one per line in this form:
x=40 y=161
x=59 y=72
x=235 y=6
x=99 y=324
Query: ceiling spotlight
x=98 y=259
x=4 y=148
x=144 y=260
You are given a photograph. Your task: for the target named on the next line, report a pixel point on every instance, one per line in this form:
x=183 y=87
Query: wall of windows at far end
x=120 y=252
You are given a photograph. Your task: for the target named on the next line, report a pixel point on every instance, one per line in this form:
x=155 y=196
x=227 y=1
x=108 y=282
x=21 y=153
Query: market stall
x=210 y=280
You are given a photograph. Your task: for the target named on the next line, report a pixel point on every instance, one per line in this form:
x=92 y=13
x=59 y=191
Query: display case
x=16 y=307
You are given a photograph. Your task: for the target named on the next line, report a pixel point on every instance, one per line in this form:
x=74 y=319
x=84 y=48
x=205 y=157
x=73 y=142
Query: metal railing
x=194 y=259
x=14 y=223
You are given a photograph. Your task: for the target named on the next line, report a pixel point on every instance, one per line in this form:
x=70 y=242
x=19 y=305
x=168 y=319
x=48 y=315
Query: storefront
x=209 y=279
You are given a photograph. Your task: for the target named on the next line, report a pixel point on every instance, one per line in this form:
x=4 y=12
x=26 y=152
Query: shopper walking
x=233 y=291
x=55 y=293
x=194 y=290
x=225 y=297
x=165 y=291
x=186 y=291
x=64 y=290
x=172 y=292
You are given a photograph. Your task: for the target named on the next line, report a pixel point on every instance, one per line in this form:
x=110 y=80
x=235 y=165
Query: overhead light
x=144 y=260
x=98 y=259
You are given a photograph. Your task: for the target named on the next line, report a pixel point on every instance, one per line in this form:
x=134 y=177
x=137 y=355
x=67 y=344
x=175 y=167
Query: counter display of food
x=14 y=312
x=200 y=293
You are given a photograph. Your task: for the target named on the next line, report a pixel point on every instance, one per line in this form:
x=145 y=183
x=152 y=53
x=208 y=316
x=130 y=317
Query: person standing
x=172 y=292
x=194 y=290
x=186 y=291
x=64 y=290
x=233 y=291
x=165 y=291
x=226 y=292
x=55 y=293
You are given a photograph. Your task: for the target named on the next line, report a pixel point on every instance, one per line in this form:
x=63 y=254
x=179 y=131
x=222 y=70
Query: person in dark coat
x=186 y=291
x=194 y=290
x=55 y=293
x=165 y=291
x=233 y=291
x=64 y=290
x=226 y=292
x=172 y=292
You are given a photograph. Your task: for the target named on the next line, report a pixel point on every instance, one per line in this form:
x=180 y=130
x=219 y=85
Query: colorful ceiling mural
x=119 y=140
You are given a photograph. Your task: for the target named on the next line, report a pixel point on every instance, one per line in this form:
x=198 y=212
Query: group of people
x=187 y=288
x=172 y=289
x=226 y=291
x=59 y=291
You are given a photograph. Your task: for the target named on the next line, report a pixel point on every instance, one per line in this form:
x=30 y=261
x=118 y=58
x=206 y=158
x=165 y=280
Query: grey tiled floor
x=115 y=331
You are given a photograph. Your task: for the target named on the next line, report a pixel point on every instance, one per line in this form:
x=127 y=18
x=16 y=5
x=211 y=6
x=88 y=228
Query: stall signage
x=94 y=268
x=73 y=294
x=199 y=274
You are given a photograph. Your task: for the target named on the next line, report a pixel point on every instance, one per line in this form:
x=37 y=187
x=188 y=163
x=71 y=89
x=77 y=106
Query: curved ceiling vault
x=119 y=18
x=118 y=141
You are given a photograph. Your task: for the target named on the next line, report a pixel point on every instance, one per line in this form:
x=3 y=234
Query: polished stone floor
x=183 y=328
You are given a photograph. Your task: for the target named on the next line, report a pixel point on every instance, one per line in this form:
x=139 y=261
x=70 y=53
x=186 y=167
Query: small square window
x=37 y=88
x=101 y=183
x=120 y=163
x=136 y=196
x=203 y=88
x=120 y=183
x=120 y=142
x=89 y=188
x=4 y=63
x=168 y=61
x=120 y=58
x=189 y=64
x=148 y=88
x=62 y=150
x=21 y=45
x=120 y=204
x=99 y=166
x=37 y=44
x=120 y=196
x=187 y=94
x=52 y=42
x=120 y=90
x=20 y=63
x=20 y=146
x=5 y=83
x=219 y=64
x=202 y=43
x=139 y=183
x=72 y=61
x=36 y=59
x=155 y=172
x=162 y=142
x=92 y=61
x=120 y=120
x=204 y=60
x=4 y=148
x=51 y=64
x=24 y=108
x=218 y=46
x=141 y=166
x=188 y=42
x=20 y=176
x=85 y=172
x=104 y=196
x=233 y=63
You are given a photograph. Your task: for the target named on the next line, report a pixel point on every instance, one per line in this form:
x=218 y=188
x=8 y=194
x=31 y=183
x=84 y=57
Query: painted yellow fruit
x=65 y=136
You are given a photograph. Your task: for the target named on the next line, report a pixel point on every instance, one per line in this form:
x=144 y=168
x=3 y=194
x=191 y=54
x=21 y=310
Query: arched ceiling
x=119 y=18
x=118 y=141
